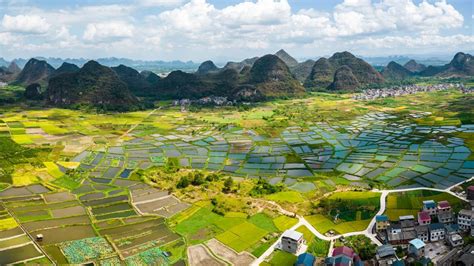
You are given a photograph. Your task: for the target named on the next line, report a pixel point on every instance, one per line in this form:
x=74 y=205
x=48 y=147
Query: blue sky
x=233 y=29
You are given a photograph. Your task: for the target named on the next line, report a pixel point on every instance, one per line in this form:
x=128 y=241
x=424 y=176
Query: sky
x=223 y=30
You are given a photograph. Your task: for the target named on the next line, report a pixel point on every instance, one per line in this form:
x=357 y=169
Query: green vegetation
x=282 y=258
x=361 y=245
x=411 y=202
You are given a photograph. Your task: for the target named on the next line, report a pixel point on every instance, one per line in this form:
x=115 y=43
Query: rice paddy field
x=73 y=174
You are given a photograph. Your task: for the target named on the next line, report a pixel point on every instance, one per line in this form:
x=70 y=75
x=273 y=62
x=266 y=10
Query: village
x=372 y=94
x=435 y=237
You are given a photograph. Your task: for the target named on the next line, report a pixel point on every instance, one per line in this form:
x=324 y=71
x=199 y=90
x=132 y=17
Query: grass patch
x=286 y=196
x=284 y=222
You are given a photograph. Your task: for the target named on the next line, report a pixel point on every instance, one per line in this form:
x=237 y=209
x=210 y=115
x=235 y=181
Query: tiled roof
x=343 y=250
x=424 y=216
x=381 y=218
x=429 y=203
x=436 y=226
x=444 y=204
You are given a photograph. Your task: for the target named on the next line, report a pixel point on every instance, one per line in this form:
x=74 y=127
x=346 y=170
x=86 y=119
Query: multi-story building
x=437 y=232
x=424 y=218
x=292 y=241
x=430 y=207
x=423 y=233
x=443 y=206
x=381 y=222
x=416 y=248
x=465 y=218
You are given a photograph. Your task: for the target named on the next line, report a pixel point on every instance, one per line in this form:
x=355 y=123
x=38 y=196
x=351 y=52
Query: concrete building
x=437 y=232
x=444 y=212
x=455 y=240
x=470 y=193
x=385 y=255
x=465 y=218
x=430 y=207
x=292 y=241
x=416 y=248
x=423 y=233
x=381 y=222
x=424 y=218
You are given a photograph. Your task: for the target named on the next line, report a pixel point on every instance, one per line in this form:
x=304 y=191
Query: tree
x=183 y=182
x=228 y=185
x=198 y=179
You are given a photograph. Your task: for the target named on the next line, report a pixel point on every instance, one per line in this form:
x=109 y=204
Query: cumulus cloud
x=108 y=30
x=33 y=24
x=150 y=3
x=199 y=28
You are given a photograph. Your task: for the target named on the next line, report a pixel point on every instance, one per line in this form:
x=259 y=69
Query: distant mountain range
x=156 y=65
x=123 y=87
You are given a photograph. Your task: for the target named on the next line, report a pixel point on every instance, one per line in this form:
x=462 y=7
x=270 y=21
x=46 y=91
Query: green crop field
x=410 y=203
x=242 y=236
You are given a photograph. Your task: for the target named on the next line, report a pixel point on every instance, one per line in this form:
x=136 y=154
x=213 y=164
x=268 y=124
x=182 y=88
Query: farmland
x=406 y=203
x=129 y=187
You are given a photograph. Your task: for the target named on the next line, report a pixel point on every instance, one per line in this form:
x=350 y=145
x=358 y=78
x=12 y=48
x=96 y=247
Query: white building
x=437 y=232
x=292 y=241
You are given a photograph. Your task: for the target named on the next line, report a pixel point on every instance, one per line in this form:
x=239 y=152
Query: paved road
x=367 y=232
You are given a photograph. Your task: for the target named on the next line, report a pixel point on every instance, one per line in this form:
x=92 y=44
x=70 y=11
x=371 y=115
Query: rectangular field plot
x=19 y=254
x=130 y=239
x=36 y=225
x=242 y=236
x=62 y=234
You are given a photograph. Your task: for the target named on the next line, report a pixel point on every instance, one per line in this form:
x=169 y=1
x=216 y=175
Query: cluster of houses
x=436 y=224
x=372 y=94
x=436 y=231
x=210 y=100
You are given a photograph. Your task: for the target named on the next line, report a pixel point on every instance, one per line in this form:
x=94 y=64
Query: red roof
x=470 y=188
x=424 y=216
x=443 y=204
x=343 y=250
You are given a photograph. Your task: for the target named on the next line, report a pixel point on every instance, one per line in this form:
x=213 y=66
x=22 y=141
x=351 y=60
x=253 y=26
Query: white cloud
x=108 y=30
x=32 y=24
x=190 y=29
x=7 y=39
x=149 y=3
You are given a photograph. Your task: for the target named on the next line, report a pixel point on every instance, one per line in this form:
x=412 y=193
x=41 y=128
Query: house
x=445 y=213
x=407 y=221
x=467 y=256
x=437 y=232
x=343 y=256
x=443 y=206
x=470 y=193
x=385 y=255
x=465 y=218
x=429 y=206
x=292 y=241
x=416 y=248
x=455 y=240
x=422 y=232
x=451 y=229
x=381 y=222
x=424 y=218
x=305 y=259
x=446 y=217
x=400 y=236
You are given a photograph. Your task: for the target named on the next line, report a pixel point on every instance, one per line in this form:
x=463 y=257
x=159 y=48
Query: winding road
x=367 y=232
